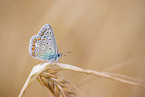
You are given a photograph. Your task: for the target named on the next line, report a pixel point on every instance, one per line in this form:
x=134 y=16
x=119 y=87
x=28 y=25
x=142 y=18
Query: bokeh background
x=101 y=35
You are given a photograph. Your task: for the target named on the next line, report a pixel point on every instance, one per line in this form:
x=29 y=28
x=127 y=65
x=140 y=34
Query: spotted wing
x=43 y=45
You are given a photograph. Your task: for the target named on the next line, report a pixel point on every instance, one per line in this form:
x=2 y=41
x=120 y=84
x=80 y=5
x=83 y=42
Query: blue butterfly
x=43 y=45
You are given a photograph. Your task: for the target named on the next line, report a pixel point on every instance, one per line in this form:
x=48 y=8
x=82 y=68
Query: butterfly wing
x=43 y=45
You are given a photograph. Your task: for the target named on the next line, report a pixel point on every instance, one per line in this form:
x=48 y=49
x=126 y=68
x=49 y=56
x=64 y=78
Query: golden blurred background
x=99 y=33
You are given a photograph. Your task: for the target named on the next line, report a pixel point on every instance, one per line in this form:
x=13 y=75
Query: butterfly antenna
x=65 y=52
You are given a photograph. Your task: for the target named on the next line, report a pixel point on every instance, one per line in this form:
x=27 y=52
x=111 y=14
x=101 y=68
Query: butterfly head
x=59 y=55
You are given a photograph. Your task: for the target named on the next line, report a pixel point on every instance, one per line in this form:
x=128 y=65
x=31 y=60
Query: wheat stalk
x=57 y=85
x=47 y=75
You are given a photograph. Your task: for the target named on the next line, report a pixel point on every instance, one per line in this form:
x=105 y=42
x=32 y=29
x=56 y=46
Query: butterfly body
x=43 y=45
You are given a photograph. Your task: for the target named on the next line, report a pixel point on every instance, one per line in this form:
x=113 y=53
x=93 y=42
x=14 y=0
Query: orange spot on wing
x=33 y=45
x=33 y=49
x=33 y=53
x=39 y=39
x=35 y=39
x=43 y=39
x=42 y=34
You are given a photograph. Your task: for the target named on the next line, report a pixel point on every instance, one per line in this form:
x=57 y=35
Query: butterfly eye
x=58 y=55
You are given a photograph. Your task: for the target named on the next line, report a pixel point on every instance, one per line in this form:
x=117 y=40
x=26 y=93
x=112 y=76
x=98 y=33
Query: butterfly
x=43 y=45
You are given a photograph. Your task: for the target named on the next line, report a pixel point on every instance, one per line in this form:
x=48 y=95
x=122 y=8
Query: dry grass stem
x=113 y=76
x=118 y=66
x=48 y=76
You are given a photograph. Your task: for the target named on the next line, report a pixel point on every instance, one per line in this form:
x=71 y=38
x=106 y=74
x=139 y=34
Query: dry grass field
x=100 y=34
